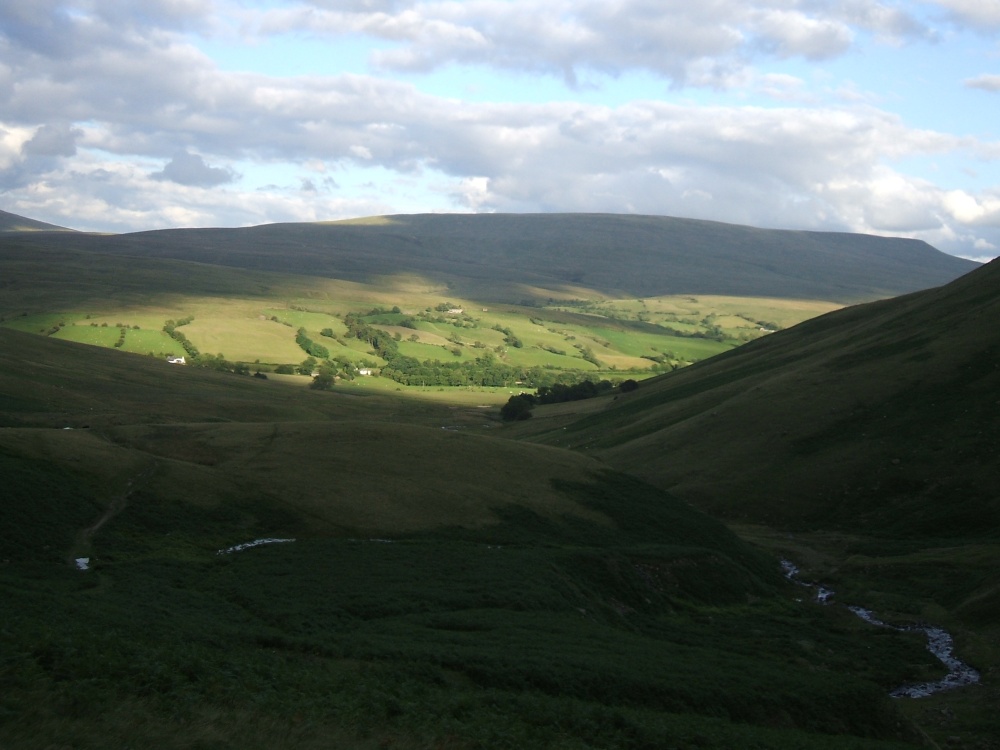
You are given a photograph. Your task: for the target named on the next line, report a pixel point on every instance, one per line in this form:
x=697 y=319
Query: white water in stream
x=939 y=643
x=254 y=543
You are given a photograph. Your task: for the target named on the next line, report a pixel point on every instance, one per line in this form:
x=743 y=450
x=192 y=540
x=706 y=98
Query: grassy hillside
x=863 y=443
x=13 y=223
x=432 y=583
x=445 y=587
x=510 y=258
x=878 y=414
x=452 y=301
x=254 y=316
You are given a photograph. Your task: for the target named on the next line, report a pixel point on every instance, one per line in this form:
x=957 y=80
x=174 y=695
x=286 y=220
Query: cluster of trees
x=483 y=371
x=508 y=336
x=381 y=342
x=519 y=407
x=219 y=363
x=324 y=379
x=310 y=347
x=170 y=328
x=588 y=356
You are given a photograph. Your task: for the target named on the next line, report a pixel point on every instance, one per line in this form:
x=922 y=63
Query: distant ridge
x=510 y=256
x=13 y=223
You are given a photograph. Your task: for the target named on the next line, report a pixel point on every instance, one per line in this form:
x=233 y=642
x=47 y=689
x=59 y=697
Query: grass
x=245 y=339
x=526 y=633
x=862 y=440
x=504 y=258
x=82 y=276
x=245 y=331
x=529 y=598
x=527 y=595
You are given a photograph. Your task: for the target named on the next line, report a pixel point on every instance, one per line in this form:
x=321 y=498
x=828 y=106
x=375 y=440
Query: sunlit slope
x=506 y=256
x=13 y=223
x=883 y=417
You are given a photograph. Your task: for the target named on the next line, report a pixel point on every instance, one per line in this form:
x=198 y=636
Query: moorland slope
x=13 y=223
x=884 y=414
x=445 y=586
x=862 y=443
x=429 y=583
x=510 y=257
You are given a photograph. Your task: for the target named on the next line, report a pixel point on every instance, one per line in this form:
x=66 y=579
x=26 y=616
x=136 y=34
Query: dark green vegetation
x=883 y=414
x=471 y=301
x=865 y=442
x=500 y=257
x=272 y=320
x=447 y=587
x=519 y=407
x=600 y=612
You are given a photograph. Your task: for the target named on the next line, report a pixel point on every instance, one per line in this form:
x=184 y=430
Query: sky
x=871 y=116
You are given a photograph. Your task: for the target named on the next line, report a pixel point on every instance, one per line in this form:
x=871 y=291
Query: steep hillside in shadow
x=229 y=562
x=509 y=257
x=883 y=417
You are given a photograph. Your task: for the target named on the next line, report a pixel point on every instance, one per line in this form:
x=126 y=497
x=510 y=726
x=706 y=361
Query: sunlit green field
x=253 y=317
x=151 y=342
x=626 y=336
x=86 y=334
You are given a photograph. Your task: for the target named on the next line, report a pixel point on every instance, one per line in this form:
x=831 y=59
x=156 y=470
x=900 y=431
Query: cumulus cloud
x=985 y=82
x=88 y=120
x=978 y=14
x=680 y=41
x=792 y=33
x=53 y=140
x=190 y=169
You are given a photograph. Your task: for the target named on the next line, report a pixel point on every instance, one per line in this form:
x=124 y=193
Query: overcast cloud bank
x=124 y=116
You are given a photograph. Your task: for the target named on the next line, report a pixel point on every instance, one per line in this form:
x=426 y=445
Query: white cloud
x=12 y=140
x=689 y=43
x=111 y=112
x=978 y=14
x=973 y=210
x=792 y=33
x=986 y=82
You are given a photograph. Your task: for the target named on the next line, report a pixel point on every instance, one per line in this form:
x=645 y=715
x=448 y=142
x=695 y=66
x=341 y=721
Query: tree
x=517 y=408
x=323 y=382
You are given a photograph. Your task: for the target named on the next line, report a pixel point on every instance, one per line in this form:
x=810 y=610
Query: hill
x=862 y=443
x=879 y=415
x=507 y=257
x=201 y=558
x=218 y=560
x=13 y=223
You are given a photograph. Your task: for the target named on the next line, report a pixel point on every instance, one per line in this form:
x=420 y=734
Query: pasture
x=252 y=317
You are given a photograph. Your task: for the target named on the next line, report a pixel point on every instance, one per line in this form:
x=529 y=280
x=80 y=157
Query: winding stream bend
x=939 y=643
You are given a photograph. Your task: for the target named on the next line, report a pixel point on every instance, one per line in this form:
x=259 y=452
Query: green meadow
x=619 y=342
x=223 y=555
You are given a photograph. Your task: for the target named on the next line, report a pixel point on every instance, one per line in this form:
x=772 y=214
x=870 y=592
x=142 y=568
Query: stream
x=254 y=543
x=939 y=643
